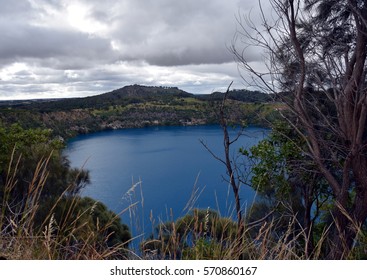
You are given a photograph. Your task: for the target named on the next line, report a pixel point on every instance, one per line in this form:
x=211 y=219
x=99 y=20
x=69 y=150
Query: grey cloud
x=177 y=33
x=19 y=8
x=19 y=41
x=190 y=56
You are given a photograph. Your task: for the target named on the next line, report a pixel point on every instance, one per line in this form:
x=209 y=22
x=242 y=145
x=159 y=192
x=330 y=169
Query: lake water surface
x=159 y=168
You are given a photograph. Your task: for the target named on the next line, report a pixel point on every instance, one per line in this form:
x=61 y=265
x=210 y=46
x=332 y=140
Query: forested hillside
x=135 y=106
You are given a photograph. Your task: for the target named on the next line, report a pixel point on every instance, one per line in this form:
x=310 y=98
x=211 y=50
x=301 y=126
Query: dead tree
x=231 y=169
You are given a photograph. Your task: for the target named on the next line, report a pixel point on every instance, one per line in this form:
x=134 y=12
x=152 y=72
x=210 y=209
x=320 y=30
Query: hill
x=134 y=106
x=239 y=95
x=122 y=96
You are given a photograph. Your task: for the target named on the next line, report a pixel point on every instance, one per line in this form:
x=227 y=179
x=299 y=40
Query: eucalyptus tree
x=315 y=52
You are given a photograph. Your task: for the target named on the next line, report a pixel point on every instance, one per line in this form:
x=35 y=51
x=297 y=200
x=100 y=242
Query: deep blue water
x=169 y=162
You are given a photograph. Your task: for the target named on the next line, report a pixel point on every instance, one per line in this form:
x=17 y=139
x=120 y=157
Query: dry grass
x=207 y=235
x=72 y=237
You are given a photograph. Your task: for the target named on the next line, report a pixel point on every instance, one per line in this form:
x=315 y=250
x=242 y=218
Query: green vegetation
x=131 y=107
x=42 y=215
x=201 y=234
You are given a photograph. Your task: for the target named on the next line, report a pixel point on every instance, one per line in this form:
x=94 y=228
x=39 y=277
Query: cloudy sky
x=67 y=48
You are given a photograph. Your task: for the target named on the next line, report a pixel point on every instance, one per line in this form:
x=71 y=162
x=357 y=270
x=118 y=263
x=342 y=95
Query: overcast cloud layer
x=64 y=48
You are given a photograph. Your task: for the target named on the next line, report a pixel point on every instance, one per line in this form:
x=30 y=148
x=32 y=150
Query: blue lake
x=165 y=171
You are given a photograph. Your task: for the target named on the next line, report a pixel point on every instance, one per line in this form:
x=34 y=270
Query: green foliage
x=273 y=160
x=193 y=236
x=23 y=141
x=203 y=249
x=289 y=185
x=29 y=147
x=39 y=195
x=76 y=219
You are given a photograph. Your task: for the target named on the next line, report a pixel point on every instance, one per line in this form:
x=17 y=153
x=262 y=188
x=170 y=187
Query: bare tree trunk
x=230 y=166
x=235 y=184
x=308 y=226
x=232 y=180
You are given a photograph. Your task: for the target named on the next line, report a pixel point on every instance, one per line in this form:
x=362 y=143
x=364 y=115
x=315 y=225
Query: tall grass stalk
x=54 y=239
